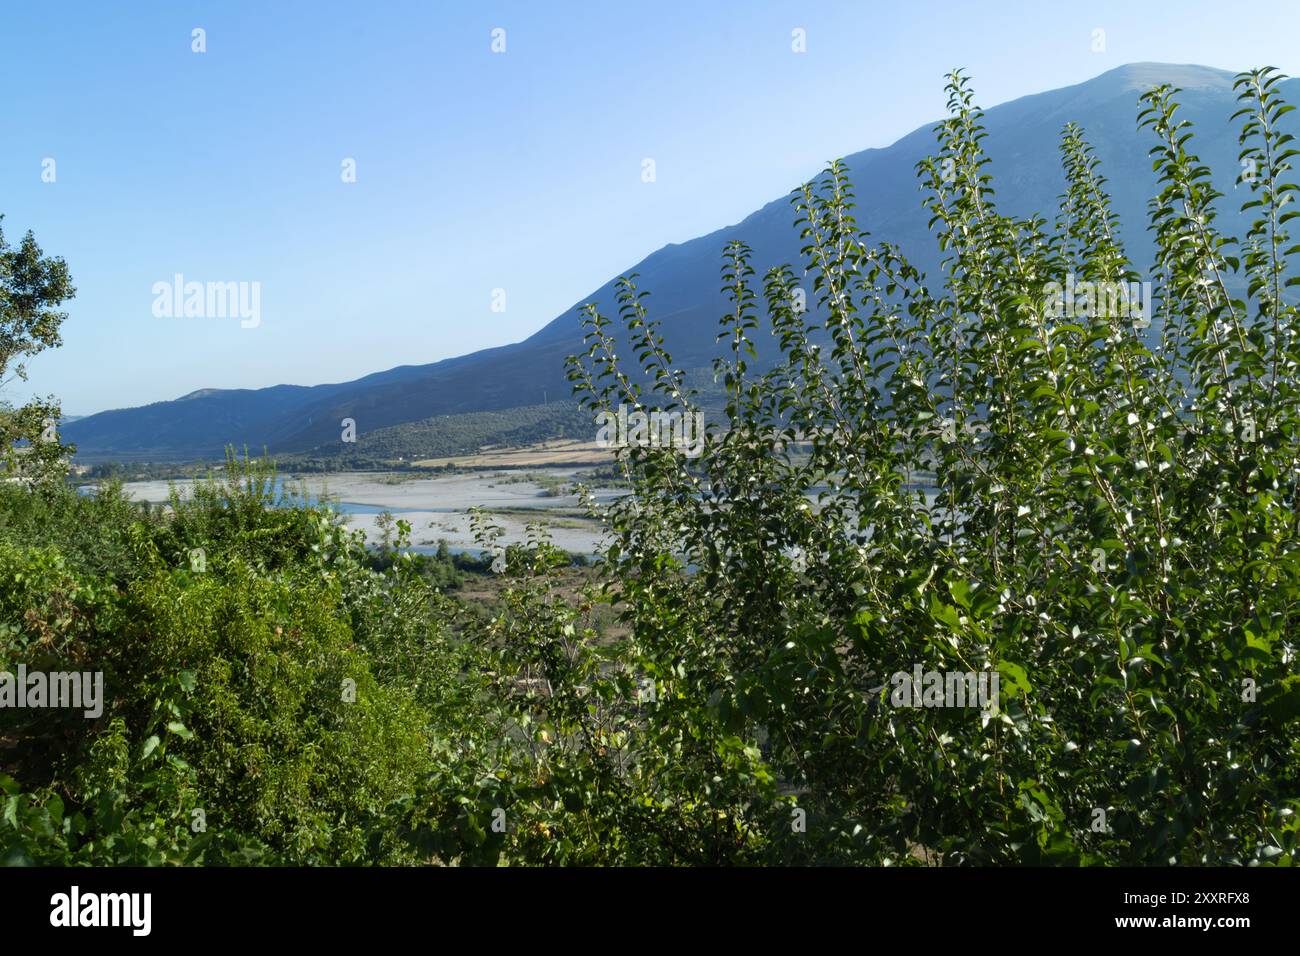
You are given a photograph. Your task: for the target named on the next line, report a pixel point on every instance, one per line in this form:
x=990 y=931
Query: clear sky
x=475 y=170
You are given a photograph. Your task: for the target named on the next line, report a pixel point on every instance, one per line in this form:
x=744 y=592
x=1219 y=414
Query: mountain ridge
x=1023 y=135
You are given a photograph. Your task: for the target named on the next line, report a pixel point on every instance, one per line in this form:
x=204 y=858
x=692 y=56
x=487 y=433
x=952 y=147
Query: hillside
x=683 y=278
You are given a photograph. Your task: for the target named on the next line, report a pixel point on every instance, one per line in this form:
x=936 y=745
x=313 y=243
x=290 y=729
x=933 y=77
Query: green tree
x=32 y=287
x=976 y=473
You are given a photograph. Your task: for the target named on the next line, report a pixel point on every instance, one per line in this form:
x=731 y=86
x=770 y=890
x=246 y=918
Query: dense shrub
x=267 y=700
x=988 y=482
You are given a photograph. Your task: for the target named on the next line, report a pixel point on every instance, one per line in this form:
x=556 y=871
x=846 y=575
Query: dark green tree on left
x=32 y=287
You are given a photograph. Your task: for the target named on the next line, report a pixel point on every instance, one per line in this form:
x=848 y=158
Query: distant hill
x=1023 y=136
x=444 y=436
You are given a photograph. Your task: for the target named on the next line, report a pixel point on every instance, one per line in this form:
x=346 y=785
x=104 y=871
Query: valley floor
x=438 y=506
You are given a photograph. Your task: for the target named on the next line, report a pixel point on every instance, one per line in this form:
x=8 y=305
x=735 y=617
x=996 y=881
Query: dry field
x=551 y=453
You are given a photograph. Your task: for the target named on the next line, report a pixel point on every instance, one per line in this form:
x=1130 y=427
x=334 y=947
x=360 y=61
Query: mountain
x=1023 y=137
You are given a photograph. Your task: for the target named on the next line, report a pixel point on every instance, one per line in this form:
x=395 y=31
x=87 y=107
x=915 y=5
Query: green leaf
x=11 y=810
x=1014 y=678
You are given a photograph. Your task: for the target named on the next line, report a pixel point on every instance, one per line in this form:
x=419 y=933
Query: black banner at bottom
x=912 y=905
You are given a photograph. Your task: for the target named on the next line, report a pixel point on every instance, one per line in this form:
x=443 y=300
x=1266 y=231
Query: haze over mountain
x=1023 y=138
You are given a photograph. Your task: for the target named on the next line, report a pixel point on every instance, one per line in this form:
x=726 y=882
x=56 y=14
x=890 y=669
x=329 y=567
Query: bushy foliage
x=993 y=483
x=269 y=694
x=32 y=287
x=602 y=769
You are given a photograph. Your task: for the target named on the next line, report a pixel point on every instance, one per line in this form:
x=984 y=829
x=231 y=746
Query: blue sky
x=476 y=170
